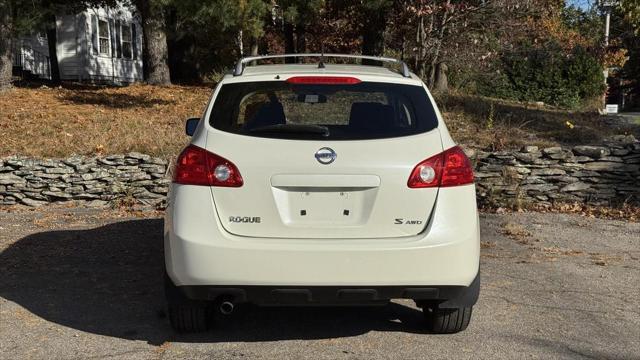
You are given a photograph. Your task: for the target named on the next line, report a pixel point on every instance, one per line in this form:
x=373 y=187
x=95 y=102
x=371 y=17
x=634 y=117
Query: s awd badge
x=407 y=222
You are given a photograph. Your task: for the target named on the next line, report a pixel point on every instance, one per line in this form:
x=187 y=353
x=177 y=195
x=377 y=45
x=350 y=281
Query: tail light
x=323 y=80
x=449 y=168
x=197 y=166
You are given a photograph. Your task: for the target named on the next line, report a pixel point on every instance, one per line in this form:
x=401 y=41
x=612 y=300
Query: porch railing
x=28 y=59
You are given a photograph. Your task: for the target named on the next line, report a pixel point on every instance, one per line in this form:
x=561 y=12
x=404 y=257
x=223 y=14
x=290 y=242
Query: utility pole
x=606 y=6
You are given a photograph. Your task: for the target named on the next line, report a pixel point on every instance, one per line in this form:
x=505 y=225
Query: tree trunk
x=289 y=44
x=240 y=42
x=6 y=42
x=53 y=53
x=372 y=42
x=155 y=43
x=373 y=36
x=183 y=65
x=436 y=54
x=254 y=47
x=301 y=39
x=432 y=73
x=422 y=48
x=442 y=83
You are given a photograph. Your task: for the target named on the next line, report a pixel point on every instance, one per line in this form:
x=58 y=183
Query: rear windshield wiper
x=293 y=128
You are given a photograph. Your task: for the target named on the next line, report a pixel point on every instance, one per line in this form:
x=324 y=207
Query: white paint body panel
x=202 y=246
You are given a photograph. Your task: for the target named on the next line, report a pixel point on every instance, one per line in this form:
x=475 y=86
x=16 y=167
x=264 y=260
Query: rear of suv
x=316 y=184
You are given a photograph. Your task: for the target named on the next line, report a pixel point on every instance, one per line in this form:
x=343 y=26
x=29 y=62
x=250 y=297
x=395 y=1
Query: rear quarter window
x=366 y=110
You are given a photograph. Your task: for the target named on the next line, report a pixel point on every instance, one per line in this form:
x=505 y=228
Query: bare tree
x=434 y=34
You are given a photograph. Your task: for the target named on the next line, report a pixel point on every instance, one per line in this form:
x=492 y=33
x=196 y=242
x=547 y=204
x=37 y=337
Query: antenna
x=321 y=64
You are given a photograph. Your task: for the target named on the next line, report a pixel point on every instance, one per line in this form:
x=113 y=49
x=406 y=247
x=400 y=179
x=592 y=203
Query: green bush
x=545 y=74
x=585 y=74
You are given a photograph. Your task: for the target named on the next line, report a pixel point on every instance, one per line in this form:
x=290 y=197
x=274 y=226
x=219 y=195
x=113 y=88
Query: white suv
x=320 y=183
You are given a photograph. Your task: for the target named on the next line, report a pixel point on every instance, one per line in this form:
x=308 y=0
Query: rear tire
x=186 y=315
x=447 y=321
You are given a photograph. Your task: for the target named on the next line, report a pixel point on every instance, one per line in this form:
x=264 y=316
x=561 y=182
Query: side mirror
x=191 y=126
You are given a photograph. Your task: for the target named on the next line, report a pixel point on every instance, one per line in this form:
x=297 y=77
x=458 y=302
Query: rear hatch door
x=302 y=183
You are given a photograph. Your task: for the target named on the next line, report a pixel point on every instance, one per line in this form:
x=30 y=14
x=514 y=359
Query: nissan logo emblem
x=326 y=156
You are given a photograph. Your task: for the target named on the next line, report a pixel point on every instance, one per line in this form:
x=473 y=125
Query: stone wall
x=600 y=175
x=99 y=180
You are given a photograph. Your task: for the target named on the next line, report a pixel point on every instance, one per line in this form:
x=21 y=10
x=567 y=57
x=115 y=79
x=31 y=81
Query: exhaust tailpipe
x=226 y=308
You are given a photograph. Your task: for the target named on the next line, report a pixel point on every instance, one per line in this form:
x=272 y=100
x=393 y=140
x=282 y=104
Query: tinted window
x=337 y=112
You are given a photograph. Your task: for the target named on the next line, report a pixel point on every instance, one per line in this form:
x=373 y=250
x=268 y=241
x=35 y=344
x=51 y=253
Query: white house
x=96 y=45
x=101 y=44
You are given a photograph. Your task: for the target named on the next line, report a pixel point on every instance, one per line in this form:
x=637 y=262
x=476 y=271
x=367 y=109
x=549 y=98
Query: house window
x=127 y=53
x=103 y=37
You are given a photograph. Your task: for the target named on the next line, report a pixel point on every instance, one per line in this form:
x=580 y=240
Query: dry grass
x=494 y=124
x=466 y=129
x=605 y=259
x=57 y=122
x=83 y=119
x=487 y=244
x=518 y=233
x=515 y=230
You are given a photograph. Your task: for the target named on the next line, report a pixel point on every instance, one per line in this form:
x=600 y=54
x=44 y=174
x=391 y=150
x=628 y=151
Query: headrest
x=371 y=115
x=271 y=113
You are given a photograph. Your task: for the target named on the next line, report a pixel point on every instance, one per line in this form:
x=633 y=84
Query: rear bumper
x=444 y=296
x=200 y=253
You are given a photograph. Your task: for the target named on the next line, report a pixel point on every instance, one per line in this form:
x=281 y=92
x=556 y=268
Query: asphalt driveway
x=82 y=283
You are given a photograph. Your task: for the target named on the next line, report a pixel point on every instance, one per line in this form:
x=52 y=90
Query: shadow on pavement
x=108 y=281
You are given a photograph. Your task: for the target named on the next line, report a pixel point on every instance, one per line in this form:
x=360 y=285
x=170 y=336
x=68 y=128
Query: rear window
x=365 y=110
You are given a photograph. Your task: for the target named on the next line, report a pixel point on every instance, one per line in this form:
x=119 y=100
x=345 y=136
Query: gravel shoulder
x=83 y=283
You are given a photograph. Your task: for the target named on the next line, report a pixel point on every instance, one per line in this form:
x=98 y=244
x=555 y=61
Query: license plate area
x=324 y=206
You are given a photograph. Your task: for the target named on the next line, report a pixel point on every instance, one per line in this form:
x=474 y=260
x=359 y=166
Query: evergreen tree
x=244 y=18
x=297 y=15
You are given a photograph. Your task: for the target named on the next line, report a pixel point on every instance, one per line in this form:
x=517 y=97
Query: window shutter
x=94 y=34
x=134 y=42
x=112 y=34
x=118 y=38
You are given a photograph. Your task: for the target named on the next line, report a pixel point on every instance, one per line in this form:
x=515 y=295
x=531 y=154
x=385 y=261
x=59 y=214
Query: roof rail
x=240 y=65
